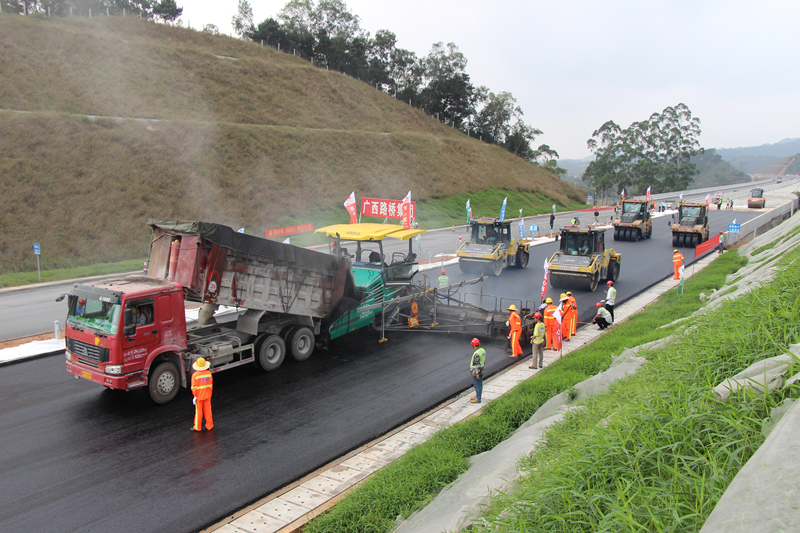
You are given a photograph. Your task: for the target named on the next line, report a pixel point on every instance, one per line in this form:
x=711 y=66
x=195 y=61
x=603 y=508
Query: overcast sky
x=574 y=64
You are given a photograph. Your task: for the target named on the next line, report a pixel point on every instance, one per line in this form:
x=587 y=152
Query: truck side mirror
x=129 y=321
x=60 y=298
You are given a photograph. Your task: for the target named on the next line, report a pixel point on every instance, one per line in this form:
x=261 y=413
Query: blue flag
x=469 y=212
x=503 y=209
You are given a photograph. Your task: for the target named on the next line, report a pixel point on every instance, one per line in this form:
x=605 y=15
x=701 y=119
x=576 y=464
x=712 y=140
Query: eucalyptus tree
x=653 y=153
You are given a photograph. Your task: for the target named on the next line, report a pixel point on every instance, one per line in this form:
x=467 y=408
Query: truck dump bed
x=217 y=265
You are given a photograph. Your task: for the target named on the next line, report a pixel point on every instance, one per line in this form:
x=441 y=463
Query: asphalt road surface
x=79 y=458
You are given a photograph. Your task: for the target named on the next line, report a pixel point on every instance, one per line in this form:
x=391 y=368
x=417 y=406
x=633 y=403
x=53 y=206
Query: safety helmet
x=512 y=307
x=201 y=364
x=674 y=251
x=548 y=301
x=81 y=301
x=444 y=272
x=610 y=283
x=564 y=297
x=568 y=293
x=537 y=314
x=475 y=342
x=598 y=305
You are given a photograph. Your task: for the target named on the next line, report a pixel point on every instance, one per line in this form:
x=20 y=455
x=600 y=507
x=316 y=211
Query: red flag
x=350 y=205
x=708 y=200
x=407 y=211
x=647 y=199
x=706 y=246
x=623 y=195
x=546 y=276
x=559 y=328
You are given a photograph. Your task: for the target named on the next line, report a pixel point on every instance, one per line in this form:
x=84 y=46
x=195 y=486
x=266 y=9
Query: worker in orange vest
x=566 y=315
x=550 y=323
x=677 y=261
x=514 y=331
x=573 y=319
x=202 y=387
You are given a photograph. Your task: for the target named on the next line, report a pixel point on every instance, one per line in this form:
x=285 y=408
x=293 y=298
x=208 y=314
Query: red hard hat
x=81 y=301
x=598 y=305
x=475 y=342
x=444 y=272
x=610 y=283
x=537 y=314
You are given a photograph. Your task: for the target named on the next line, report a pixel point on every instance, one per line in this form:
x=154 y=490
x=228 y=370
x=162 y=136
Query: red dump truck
x=131 y=332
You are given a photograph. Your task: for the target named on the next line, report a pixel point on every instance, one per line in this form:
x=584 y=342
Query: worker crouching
x=202 y=387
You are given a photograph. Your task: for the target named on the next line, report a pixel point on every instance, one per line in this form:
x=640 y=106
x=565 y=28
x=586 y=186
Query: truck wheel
x=302 y=344
x=674 y=240
x=616 y=234
x=164 y=382
x=681 y=240
x=650 y=231
x=613 y=271
x=465 y=267
x=522 y=259
x=497 y=267
x=270 y=353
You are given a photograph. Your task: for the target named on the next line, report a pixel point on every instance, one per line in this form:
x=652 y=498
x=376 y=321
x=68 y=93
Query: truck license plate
x=85 y=374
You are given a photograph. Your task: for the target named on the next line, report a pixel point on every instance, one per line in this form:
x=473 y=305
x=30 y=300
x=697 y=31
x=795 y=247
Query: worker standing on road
x=677 y=261
x=514 y=331
x=566 y=312
x=603 y=318
x=721 y=245
x=202 y=387
x=476 y=365
x=537 y=341
x=611 y=297
x=573 y=319
x=552 y=220
x=444 y=281
x=550 y=323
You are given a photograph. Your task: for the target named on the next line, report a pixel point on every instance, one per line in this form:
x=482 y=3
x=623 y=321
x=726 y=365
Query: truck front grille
x=87 y=353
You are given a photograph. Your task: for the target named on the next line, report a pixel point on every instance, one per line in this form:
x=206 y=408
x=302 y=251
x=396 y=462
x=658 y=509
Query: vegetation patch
x=405 y=486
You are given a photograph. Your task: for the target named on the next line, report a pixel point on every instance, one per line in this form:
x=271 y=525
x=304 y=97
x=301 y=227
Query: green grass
x=657 y=451
x=29 y=278
x=405 y=485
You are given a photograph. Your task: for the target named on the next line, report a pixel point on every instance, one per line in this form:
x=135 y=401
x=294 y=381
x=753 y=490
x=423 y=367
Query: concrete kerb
x=366 y=461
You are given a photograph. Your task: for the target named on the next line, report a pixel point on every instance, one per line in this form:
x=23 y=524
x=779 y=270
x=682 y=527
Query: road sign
x=735 y=228
x=590 y=197
x=521 y=229
x=533 y=228
x=36 y=248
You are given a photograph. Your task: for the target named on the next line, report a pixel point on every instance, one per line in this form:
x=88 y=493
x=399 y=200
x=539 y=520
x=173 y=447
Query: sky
x=572 y=65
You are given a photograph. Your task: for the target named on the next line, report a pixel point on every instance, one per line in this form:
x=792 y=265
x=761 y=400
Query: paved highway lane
x=79 y=458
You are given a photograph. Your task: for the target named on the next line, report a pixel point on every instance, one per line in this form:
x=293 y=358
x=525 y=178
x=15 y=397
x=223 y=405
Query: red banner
x=350 y=205
x=706 y=246
x=378 y=207
x=289 y=230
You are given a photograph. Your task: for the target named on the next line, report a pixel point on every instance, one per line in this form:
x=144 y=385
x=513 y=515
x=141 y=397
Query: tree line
x=328 y=34
x=164 y=10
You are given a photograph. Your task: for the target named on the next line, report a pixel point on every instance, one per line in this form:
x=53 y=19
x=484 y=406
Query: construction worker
x=202 y=387
x=514 y=331
x=573 y=319
x=444 y=281
x=538 y=341
x=476 y=364
x=550 y=323
x=566 y=314
x=603 y=318
x=721 y=245
x=677 y=261
x=611 y=297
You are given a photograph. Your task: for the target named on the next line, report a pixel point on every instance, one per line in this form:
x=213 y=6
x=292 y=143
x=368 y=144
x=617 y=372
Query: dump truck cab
x=583 y=260
x=634 y=222
x=692 y=226
x=492 y=248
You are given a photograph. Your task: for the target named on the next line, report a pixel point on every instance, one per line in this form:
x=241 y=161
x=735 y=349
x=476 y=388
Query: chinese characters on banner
x=289 y=230
x=407 y=211
x=378 y=207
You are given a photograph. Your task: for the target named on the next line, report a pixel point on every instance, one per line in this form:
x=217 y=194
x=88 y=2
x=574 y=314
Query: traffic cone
x=459 y=238
x=454 y=227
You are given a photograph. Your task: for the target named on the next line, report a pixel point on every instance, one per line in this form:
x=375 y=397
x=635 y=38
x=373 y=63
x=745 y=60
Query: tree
x=211 y=28
x=447 y=91
x=167 y=10
x=653 y=153
x=242 y=22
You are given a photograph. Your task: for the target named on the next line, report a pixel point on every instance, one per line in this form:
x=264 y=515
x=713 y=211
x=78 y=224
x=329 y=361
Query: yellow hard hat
x=563 y=295
x=201 y=364
x=512 y=307
x=568 y=293
x=674 y=251
x=548 y=301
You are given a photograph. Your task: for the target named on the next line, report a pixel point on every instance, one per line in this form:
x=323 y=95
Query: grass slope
x=237 y=134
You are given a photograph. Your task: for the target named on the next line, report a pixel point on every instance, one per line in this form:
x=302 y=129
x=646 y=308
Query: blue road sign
x=735 y=228
x=533 y=228
x=590 y=197
x=36 y=248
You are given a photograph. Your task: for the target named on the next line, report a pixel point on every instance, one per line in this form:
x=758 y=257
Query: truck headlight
x=113 y=369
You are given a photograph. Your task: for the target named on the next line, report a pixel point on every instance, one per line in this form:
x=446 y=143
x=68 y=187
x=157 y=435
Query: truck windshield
x=631 y=208
x=89 y=313
x=576 y=244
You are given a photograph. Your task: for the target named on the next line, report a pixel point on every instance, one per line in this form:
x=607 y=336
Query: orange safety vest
x=514 y=323
x=573 y=305
x=549 y=319
x=677 y=259
x=202 y=385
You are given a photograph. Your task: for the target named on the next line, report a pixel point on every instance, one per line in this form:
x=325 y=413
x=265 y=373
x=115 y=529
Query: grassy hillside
x=713 y=171
x=235 y=133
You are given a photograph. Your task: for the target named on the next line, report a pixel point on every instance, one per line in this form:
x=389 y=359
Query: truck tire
x=270 y=353
x=556 y=281
x=465 y=267
x=164 y=382
x=616 y=234
x=613 y=271
x=522 y=259
x=674 y=240
x=302 y=345
x=594 y=281
x=497 y=267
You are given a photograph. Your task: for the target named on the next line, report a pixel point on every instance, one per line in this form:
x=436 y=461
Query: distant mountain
x=750 y=159
x=575 y=168
x=714 y=171
x=783 y=166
